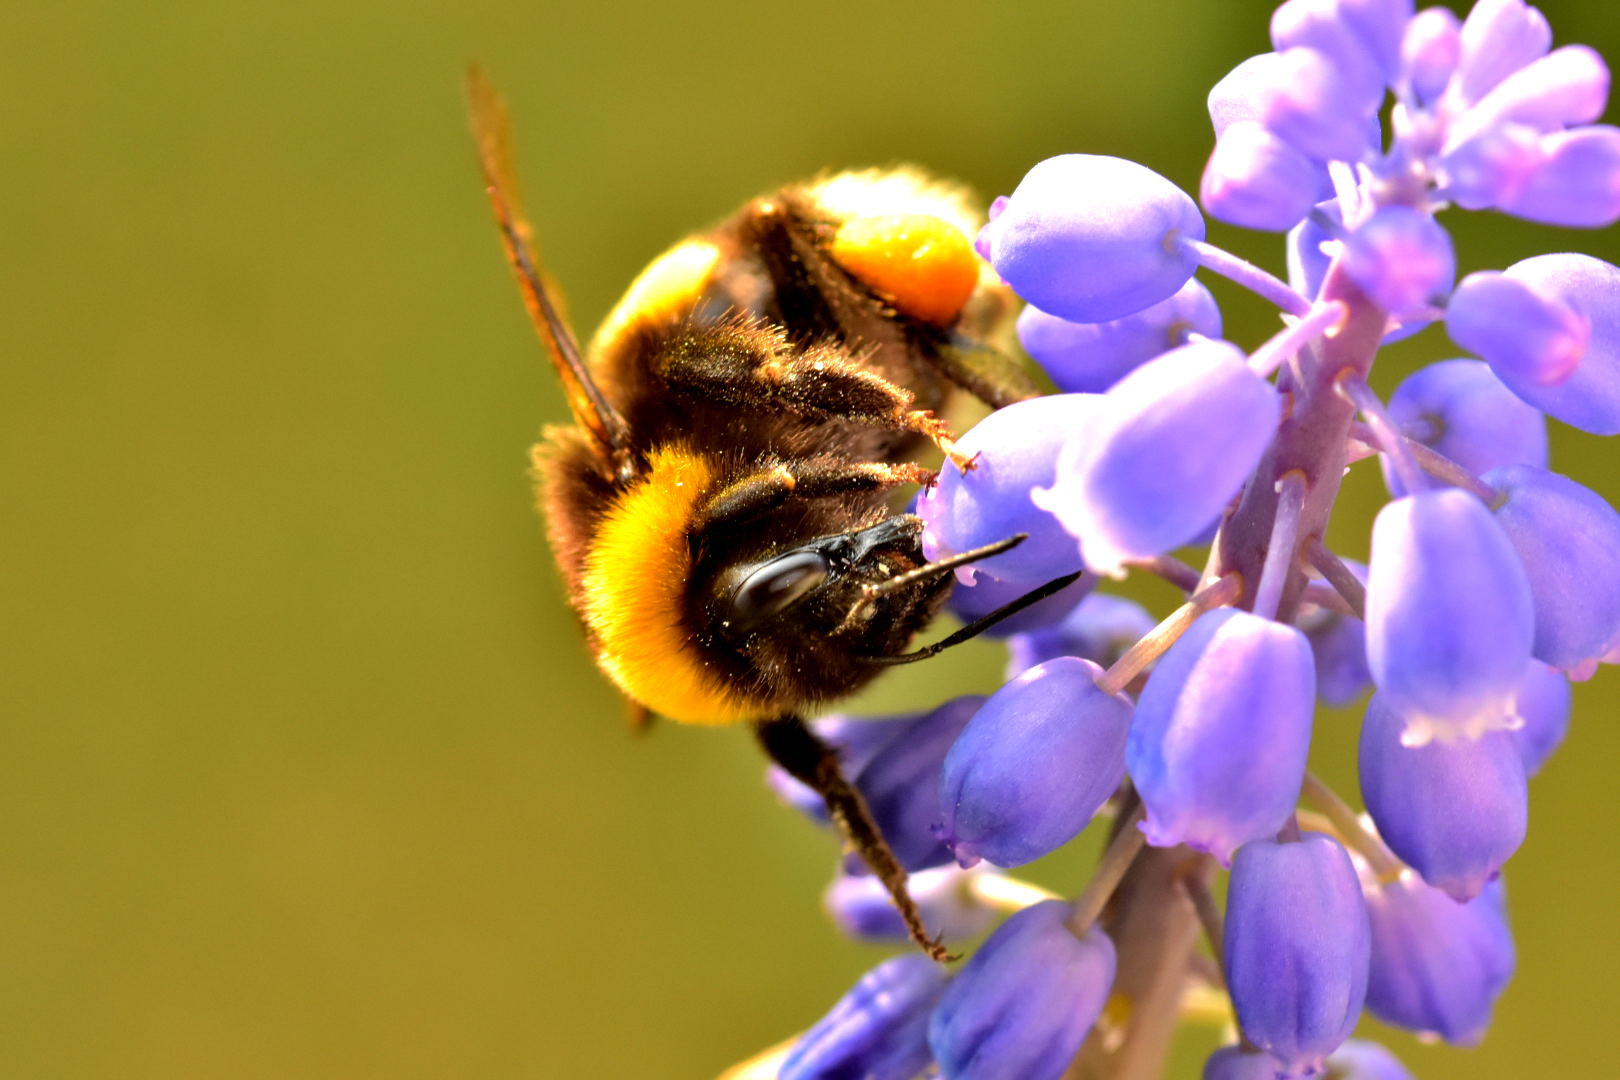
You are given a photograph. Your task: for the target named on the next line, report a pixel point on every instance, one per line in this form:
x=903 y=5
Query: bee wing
x=591 y=410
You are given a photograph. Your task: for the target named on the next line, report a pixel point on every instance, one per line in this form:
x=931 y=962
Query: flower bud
x=1020 y=1008
x=1236 y=1063
x=1575 y=181
x=1582 y=297
x=1090 y=238
x=1455 y=811
x=878 y=1030
x=856 y=739
x=1498 y=38
x=1100 y=629
x=1033 y=765
x=1018 y=449
x=1459 y=409
x=1296 y=948
x=1169 y=446
x=1429 y=51
x=1568 y=539
x=1437 y=965
x=1359 y=1059
x=1259 y=180
x=1339 y=647
x=1217 y=749
x=1091 y=357
x=1449 y=617
x=861 y=906
x=1402 y=259
x=1568 y=86
x=1543 y=708
x=901 y=784
x=1315 y=106
x=1533 y=342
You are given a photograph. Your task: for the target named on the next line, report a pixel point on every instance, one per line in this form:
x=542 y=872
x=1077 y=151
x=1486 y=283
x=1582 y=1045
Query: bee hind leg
x=792 y=745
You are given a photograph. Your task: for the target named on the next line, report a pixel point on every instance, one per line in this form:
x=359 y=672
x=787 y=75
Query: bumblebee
x=722 y=506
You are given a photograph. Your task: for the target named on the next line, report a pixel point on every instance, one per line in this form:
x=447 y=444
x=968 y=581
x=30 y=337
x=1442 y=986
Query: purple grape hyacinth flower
x=1454 y=810
x=1034 y=765
x=1297 y=946
x=1493 y=583
x=1217 y=749
x=878 y=1030
x=1021 y=1005
x=1437 y=965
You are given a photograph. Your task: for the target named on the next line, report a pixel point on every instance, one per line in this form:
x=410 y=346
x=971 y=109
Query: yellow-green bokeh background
x=305 y=772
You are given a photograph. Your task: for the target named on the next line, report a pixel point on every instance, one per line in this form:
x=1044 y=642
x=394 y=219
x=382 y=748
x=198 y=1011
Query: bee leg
x=993 y=377
x=752 y=366
x=772 y=487
x=812 y=762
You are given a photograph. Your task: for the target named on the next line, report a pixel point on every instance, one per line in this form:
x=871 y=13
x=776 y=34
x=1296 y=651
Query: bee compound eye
x=773 y=587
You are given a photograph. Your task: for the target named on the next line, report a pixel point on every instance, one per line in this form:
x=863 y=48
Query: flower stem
x=1251 y=277
x=1340 y=576
x=1350 y=828
x=1436 y=465
x=1384 y=434
x=1122 y=850
x=1284 y=542
x=1321 y=319
x=1136 y=659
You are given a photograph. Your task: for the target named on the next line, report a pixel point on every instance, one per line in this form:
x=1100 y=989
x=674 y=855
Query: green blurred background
x=305 y=771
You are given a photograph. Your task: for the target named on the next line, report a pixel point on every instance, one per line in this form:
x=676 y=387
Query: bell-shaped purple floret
x=901 y=784
x=1402 y=259
x=1259 y=180
x=1238 y=1063
x=1458 y=408
x=1575 y=181
x=877 y=1031
x=1308 y=261
x=1089 y=238
x=1020 y=1008
x=1034 y=765
x=1018 y=449
x=857 y=740
x=1449 y=616
x=1454 y=811
x=1217 y=749
x=973 y=600
x=1568 y=539
x=1091 y=357
x=1437 y=965
x=1498 y=38
x=1430 y=49
x=1172 y=442
x=1544 y=699
x=1296 y=948
x=1100 y=629
x=1236 y=97
x=861 y=907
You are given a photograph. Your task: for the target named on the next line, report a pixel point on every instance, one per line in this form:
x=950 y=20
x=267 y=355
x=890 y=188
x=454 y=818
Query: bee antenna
x=982 y=623
x=933 y=569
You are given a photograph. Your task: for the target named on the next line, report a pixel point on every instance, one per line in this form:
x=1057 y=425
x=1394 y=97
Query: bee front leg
x=813 y=763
